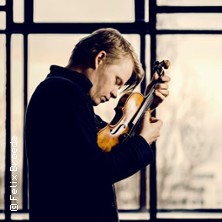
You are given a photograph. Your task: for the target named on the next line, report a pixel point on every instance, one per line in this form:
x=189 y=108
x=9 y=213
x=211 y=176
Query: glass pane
x=20 y=216
x=2 y=2
x=146 y=10
x=190 y=2
x=189 y=21
x=84 y=11
x=47 y=50
x=2 y=20
x=18 y=11
x=134 y=216
x=128 y=192
x=17 y=114
x=148 y=188
x=2 y=118
x=148 y=74
x=189 y=150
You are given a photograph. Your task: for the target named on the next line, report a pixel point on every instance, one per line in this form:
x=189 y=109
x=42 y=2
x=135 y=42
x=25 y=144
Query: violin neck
x=149 y=98
x=145 y=105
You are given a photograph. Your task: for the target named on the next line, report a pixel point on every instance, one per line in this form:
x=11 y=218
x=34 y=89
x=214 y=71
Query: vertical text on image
x=14 y=169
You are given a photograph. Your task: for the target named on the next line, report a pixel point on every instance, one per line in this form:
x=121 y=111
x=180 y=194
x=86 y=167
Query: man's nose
x=114 y=93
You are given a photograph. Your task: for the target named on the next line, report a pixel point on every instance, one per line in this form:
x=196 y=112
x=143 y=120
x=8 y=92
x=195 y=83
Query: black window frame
x=139 y=26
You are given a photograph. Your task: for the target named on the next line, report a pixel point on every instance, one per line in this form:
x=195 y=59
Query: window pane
x=190 y=2
x=18 y=11
x=189 y=150
x=46 y=50
x=128 y=192
x=84 y=11
x=17 y=113
x=2 y=20
x=2 y=2
x=189 y=21
x=134 y=216
x=146 y=10
x=148 y=74
x=2 y=118
x=178 y=216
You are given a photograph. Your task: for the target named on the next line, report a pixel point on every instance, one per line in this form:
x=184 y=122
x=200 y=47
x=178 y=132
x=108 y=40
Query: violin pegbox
x=160 y=66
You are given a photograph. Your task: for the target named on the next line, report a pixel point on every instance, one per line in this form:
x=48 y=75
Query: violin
x=128 y=113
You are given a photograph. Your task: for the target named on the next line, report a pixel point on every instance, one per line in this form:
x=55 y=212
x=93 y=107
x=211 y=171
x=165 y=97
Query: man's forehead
x=127 y=68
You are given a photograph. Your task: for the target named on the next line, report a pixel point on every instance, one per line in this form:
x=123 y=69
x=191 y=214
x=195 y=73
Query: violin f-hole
x=114 y=131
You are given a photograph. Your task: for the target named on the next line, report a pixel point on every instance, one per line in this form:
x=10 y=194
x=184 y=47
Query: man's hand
x=150 y=129
x=161 y=89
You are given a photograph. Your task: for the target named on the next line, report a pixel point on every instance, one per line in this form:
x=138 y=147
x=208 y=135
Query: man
x=71 y=178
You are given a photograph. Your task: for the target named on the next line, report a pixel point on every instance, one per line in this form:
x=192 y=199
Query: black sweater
x=71 y=178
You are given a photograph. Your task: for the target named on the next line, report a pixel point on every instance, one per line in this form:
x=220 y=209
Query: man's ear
x=99 y=59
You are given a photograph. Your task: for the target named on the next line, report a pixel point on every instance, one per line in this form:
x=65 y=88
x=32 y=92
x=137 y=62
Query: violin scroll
x=160 y=66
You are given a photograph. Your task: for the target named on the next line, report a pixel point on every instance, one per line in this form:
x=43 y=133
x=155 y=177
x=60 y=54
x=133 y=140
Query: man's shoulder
x=57 y=92
x=59 y=85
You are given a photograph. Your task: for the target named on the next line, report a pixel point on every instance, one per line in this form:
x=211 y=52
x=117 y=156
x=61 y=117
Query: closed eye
x=119 y=82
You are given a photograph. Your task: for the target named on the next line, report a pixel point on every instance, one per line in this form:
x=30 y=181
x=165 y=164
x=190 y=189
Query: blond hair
x=116 y=47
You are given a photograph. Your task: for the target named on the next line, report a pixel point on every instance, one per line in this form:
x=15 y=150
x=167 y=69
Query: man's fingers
x=162 y=93
x=165 y=78
x=162 y=86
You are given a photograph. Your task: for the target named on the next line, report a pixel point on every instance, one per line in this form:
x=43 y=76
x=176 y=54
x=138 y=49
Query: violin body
x=128 y=105
x=129 y=112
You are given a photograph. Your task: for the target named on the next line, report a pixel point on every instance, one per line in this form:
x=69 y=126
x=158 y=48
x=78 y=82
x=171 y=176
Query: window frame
x=139 y=26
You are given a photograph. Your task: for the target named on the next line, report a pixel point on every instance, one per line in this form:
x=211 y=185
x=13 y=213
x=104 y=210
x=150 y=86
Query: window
x=2 y=19
x=188 y=152
x=185 y=180
x=83 y=11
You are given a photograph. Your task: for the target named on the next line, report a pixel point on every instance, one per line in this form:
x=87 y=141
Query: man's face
x=108 y=79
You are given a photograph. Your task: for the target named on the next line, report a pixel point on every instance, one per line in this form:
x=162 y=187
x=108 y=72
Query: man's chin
x=96 y=102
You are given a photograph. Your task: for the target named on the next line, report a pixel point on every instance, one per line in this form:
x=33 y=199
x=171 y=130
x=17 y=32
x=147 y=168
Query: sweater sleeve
x=123 y=161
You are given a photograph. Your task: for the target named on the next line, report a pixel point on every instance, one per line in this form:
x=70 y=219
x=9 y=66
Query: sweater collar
x=73 y=76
